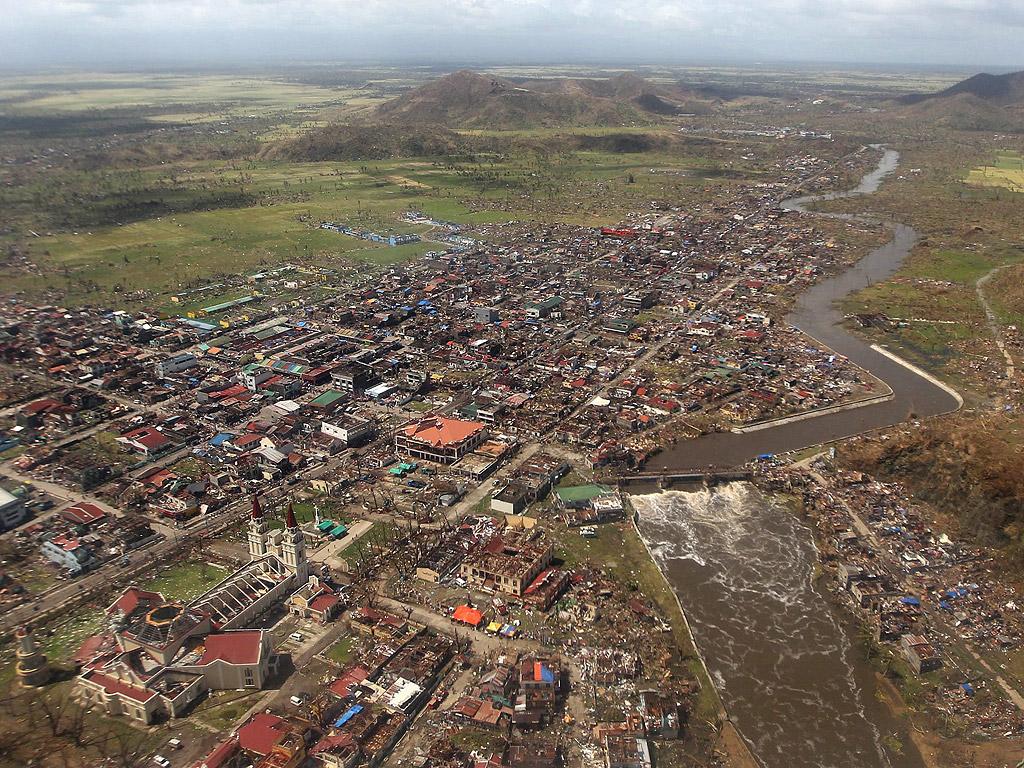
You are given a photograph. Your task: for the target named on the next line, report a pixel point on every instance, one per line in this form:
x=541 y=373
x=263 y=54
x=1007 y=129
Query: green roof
x=580 y=492
x=328 y=397
x=549 y=303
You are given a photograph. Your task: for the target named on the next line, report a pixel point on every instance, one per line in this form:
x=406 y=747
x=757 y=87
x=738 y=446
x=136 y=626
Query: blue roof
x=351 y=712
x=219 y=439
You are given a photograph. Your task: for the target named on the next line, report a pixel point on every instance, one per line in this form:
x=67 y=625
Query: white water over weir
x=791 y=679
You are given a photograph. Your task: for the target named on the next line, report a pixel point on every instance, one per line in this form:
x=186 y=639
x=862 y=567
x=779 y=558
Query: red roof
x=115 y=686
x=147 y=437
x=439 y=431
x=83 y=513
x=262 y=733
x=334 y=741
x=324 y=603
x=47 y=403
x=231 y=391
x=132 y=597
x=467 y=615
x=220 y=754
x=241 y=647
x=344 y=685
x=91 y=646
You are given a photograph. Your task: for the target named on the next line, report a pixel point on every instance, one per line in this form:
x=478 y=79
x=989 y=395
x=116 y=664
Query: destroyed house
x=509 y=562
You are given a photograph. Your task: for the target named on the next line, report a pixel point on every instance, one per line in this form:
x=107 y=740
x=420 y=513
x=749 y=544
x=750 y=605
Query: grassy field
x=187 y=581
x=188 y=96
x=171 y=252
x=1006 y=171
x=341 y=651
x=222 y=710
x=64 y=638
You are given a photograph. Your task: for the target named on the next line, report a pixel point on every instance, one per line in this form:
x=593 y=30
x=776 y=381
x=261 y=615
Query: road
x=993 y=326
x=144 y=560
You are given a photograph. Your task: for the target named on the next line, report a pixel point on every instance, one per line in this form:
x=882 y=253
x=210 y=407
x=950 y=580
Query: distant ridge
x=468 y=99
x=983 y=102
x=1001 y=90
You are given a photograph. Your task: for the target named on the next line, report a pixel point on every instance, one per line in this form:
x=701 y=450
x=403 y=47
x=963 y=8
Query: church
x=159 y=655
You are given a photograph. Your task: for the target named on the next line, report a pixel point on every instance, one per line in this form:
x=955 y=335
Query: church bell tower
x=259 y=531
x=293 y=548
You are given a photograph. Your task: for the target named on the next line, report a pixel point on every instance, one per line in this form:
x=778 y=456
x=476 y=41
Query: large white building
x=12 y=510
x=159 y=656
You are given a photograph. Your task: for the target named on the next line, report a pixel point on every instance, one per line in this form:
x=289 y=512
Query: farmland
x=271 y=212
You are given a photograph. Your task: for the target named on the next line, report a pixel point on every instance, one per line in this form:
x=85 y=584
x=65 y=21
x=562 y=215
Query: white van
x=296 y=701
x=296 y=636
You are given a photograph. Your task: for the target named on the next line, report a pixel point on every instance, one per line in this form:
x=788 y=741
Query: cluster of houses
x=913 y=587
x=83 y=536
x=411 y=384
x=534 y=329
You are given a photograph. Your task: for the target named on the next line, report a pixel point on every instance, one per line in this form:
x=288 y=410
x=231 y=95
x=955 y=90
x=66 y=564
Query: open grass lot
x=938 y=325
x=186 y=581
x=1006 y=171
x=63 y=638
x=222 y=710
x=210 y=96
x=271 y=212
x=341 y=651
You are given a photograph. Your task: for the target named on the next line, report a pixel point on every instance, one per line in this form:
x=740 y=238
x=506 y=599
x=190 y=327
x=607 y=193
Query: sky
x=36 y=33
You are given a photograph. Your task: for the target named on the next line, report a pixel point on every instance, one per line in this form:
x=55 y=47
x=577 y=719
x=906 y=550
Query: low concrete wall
x=813 y=414
x=920 y=372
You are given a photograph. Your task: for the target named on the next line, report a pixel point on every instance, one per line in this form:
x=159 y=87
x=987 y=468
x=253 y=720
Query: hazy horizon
x=191 y=33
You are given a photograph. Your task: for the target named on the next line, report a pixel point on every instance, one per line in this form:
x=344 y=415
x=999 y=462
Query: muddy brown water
x=816 y=315
x=791 y=672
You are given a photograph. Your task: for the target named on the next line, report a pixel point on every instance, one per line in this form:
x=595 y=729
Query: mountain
x=1001 y=90
x=963 y=112
x=983 y=102
x=470 y=100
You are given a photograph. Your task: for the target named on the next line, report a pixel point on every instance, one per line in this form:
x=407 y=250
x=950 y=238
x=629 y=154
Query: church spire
x=290 y=521
x=259 y=531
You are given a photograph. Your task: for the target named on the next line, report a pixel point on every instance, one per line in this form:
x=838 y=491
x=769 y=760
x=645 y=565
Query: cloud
x=932 y=31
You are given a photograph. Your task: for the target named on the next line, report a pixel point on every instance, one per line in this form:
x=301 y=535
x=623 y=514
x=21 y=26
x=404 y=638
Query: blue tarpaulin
x=910 y=601
x=351 y=712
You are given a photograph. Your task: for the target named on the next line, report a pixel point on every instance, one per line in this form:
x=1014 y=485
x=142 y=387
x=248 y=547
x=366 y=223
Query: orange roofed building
x=440 y=439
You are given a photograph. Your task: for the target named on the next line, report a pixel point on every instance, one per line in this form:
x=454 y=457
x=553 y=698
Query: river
x=815 y=314
x=787 y=669
x=742 y=564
